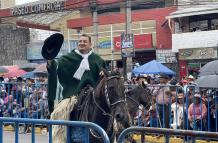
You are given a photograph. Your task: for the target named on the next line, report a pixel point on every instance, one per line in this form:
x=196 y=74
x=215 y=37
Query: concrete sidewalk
x=9 y=137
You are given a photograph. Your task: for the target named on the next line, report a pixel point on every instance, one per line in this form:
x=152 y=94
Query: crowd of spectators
x=175 y=104
x=179 y=104
x=23 y=98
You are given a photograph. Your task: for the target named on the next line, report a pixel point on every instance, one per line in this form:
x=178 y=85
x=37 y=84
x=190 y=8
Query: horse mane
x=85 y=99
x=83 y=103
x=99 y=85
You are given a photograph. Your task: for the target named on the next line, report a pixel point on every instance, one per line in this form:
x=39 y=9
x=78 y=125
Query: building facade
x=152 y=35
x=194 y=29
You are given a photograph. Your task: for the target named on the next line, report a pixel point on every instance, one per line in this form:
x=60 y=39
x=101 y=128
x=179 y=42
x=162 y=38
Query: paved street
x=9 y=137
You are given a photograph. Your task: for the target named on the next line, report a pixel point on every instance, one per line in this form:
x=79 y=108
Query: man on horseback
x=72 y=72
x=67 y=76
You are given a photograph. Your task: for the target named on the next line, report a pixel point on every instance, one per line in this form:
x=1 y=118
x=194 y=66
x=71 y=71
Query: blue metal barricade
x=167 y=132
x=84 y=127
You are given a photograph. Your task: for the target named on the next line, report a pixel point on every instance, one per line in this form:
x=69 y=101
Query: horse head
x=136 y=95
x=112 y=92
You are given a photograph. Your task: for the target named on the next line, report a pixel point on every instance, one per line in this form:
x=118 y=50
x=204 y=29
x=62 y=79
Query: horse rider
x=74 y=70
x=69 y=74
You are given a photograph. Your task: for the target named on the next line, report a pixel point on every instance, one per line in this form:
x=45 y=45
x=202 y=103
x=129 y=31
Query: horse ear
x=106 y=73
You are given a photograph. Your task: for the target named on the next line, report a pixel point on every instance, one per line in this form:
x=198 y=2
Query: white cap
x=197 y=95
x=191 y=77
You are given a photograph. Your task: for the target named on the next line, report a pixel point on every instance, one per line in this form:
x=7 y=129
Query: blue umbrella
x=34 y=74
x=153 y=67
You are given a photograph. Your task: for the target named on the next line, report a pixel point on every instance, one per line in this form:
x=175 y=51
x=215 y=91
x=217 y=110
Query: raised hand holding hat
x=52 y=46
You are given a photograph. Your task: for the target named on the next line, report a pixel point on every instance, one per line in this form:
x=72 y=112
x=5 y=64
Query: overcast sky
x=24 y=1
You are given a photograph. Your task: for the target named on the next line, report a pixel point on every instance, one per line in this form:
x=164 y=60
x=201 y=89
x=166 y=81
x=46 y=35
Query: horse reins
x=106 y=93
x=133 y=100
x=103 y=111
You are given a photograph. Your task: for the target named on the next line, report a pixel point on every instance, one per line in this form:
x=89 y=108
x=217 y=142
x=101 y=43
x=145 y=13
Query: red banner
x=142 y=41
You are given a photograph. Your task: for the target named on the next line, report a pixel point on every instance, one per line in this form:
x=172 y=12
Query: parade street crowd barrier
x=81 y=136
x=167 y=133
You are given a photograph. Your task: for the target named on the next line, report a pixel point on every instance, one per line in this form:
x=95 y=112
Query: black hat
x=52 y=46
x=19 y=79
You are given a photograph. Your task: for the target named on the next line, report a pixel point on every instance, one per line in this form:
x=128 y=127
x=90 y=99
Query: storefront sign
x=166 y=56
x=198 y=53
x=142 y=41
x=127 y=47
x=37 y=8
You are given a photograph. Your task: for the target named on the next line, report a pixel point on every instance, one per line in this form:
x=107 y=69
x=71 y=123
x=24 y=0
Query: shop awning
x=199 y=10
x=44 y=18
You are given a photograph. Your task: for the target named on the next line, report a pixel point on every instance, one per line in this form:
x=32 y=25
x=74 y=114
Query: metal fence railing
x=194 y=135
x=21 y=100
x=176 y=107
x=82 y=136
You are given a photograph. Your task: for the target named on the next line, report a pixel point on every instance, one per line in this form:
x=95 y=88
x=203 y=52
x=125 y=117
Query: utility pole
x=127 y=61
x=95 y=24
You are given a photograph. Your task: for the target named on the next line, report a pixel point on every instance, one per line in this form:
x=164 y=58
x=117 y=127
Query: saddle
x=80 y=111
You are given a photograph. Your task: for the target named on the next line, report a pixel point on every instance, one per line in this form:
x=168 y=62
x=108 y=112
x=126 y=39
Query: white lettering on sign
x=37 y=8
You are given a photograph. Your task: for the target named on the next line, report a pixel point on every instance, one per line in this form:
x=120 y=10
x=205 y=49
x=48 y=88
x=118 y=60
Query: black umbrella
x=208 y=81
x=210 y=68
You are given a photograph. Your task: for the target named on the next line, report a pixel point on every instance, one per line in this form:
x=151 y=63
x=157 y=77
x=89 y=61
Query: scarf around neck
x=84 y=65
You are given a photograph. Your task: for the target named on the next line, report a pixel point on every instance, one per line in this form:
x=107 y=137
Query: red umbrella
x=14 y=71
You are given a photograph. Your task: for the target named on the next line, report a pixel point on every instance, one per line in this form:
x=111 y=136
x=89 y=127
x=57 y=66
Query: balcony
x=198 y=39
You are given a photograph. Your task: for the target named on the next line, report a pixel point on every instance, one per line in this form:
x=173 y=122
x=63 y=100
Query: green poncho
x=62 y=70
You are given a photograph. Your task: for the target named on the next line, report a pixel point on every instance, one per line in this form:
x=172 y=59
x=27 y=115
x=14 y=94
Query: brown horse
x=103 y=105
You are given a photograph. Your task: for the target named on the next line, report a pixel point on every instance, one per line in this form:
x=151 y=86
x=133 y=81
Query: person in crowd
x=183 y=82
x=197 y=113
x=214 y=113
x=173 y=89
x=141 y=80
x=134 y=79
x=43 y=103
x=163 y=97
x=10 y=107
x=2 y=83
x=1 y=103
x=178 y=108
x=34 y=106
x=29 y=86
x=17 y=90
x=190 y=81
x=1 y=79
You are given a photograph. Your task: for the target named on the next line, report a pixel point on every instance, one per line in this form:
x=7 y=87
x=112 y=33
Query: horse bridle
x=110 y=105
x=107 y=98
x=106 y=93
